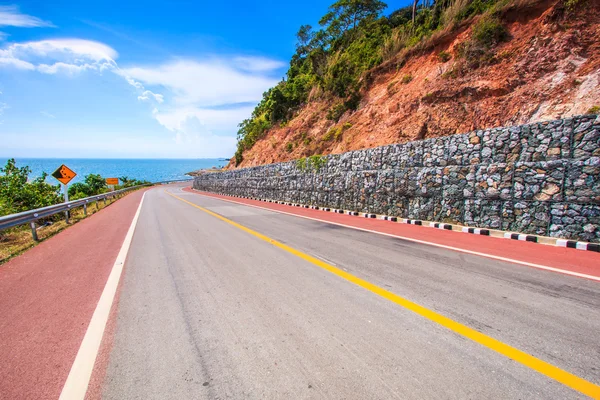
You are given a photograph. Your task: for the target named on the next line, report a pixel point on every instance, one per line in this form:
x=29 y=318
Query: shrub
x=289 y=147
x=489 y=32
x=444 y=56
x=594 y=110
x=301 y=164
x=406 y=79
x=335 y=112
x=330 y=134
x=486 y=34
x=317 y=161
x=391 y=88
x=17 y=194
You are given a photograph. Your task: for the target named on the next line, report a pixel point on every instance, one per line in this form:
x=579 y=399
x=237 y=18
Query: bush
x=489 y=32
x=289 y=147
x=486 y=34
x=336 y=112
x=17 y=194
x=444 y=56
x=406 y=79
x=594 y=110
x=331 y=133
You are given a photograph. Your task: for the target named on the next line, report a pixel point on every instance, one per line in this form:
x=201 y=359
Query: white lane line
x=79 y=377
x=476 y=253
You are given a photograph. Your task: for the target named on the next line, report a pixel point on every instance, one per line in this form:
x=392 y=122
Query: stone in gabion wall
x=541 y=178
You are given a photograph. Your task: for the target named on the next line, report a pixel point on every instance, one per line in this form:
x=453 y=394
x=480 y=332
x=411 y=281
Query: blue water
x=153 y=170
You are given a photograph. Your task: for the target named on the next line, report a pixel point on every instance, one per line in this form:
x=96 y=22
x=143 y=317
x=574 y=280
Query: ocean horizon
x=150 y=169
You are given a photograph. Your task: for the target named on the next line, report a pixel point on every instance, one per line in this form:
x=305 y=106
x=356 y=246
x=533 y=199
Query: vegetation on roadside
x=314 y=163
x=18 y=193
x=332 y=62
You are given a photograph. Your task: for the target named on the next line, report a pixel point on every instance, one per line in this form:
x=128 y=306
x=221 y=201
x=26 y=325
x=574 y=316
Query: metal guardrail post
x=34 y=231
x=30 y=217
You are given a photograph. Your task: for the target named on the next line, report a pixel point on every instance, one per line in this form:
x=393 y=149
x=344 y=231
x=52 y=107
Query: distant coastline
x=153 y=170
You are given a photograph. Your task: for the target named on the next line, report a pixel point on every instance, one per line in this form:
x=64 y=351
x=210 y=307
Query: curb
x=476 y=231
x=521 y=236
x=572 y=244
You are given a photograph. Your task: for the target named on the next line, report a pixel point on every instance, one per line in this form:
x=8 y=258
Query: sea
x=153 y=170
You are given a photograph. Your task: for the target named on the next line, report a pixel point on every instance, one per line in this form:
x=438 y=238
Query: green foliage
x=289 y=147
x=301 y=164
x=93 y=184
x=487 y=33
x=594 y=110
x=330 y=134
x=17 y=194
x=335 y=112
x=406 y=79
x=125 y=182
x=474 y=7
x=353 y=37
x=316 y=162
x=444 y=56
x=571 y=4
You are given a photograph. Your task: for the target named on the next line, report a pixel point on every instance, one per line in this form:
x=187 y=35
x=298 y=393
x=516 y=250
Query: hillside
x=506 y=63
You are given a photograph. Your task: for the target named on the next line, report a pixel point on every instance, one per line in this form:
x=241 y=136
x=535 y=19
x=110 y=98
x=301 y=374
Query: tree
x=18 y=194
x=347 y=14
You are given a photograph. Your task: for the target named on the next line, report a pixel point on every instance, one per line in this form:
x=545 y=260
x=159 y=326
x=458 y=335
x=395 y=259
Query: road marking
x=564 y=377
x=78 y=380
x=443 y=246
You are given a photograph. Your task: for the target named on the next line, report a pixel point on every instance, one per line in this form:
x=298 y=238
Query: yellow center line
x=559 y=375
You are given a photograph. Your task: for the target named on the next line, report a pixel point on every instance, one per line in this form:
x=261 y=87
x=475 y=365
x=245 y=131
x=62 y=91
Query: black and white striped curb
x=578 y=245
x=476 y=231
x=440 y=226
x=521 y=236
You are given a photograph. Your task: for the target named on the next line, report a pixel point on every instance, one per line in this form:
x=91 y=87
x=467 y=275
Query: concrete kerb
x=444 y=226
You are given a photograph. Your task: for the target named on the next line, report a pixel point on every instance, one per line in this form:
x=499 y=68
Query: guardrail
x=31 y=216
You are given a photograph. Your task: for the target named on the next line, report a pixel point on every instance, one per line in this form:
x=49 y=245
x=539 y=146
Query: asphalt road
x=208 y=310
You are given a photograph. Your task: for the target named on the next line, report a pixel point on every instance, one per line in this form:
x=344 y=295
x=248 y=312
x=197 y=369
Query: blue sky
x=139 y=79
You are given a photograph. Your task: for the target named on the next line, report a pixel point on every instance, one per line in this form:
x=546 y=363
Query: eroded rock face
x=549 y=69
x=541 y=178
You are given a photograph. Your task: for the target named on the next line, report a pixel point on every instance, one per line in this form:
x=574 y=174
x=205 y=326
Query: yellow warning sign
x=64 y=174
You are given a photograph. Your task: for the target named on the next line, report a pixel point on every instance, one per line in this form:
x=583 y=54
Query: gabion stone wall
x=541 y=178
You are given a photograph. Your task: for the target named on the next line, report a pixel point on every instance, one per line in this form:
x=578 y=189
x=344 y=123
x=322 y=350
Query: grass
x=406 y=79
x=17 y=240
x=594 y=110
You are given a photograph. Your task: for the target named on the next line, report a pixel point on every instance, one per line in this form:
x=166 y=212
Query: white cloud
x=47 y=114
x=59 y=55
x=257 y=64
x=206 y=98
x=148 y=95
x=11 y=16
x=207 y=83
x=3 y=36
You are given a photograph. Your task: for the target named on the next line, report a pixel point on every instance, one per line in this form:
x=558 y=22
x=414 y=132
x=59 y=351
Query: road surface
x=208 y=310
x=219 y=300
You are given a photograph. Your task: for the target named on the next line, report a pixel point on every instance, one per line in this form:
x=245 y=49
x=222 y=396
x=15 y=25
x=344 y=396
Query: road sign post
x=64 y=175
x=111 y=182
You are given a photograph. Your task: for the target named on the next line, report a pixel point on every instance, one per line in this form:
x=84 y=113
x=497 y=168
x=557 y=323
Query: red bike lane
x=48 y=296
